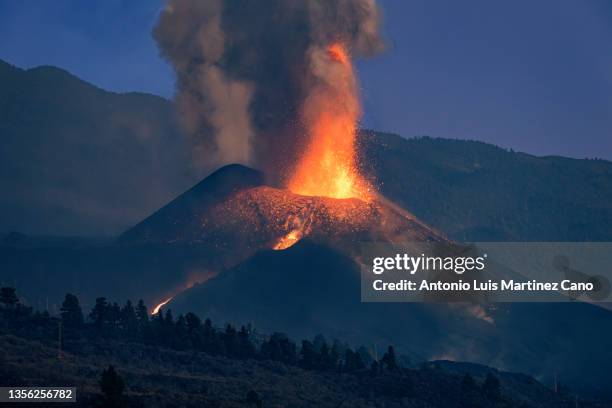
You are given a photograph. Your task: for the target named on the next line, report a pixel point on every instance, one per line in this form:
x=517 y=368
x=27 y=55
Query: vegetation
x=177 y=361
x=528 y=198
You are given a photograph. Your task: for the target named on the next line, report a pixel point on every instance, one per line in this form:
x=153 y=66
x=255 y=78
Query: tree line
x=133 y=322
x=188 y=332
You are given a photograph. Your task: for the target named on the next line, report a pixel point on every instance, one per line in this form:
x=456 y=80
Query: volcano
x=286 y=262
x=235 y=210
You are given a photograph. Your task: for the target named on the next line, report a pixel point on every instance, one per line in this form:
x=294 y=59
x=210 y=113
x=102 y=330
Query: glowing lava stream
x=330 y=113
x=288 y=240
x=160 y=305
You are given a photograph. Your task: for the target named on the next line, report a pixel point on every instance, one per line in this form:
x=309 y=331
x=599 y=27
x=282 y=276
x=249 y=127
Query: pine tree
x=180 y=337
x=99 y=314
x=112 y=387
x=353 y=361
x=114 y=315
x=8 y=297
x=365 y=355
x=210 y=344
x=72 y=315
x=334 y=354
x=308 y=355
x=318 y=342
x=230 y=341
x=246 y=347
x=142 y=314
x=374 y=368
x=279 y=348
x=324 y=357
x=389 y=359
x=193 y=322
x=128 y=318
x=168 y=320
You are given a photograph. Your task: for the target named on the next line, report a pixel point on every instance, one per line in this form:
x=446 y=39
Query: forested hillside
x=116 y=158
x=187 y=362
x=475 y=191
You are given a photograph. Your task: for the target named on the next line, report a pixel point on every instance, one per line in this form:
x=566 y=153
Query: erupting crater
x=235 y=213
x=325 y=198
x=278 y=218
x=328 y=165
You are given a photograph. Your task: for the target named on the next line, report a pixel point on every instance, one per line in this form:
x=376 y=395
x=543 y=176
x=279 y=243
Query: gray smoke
x=243 y=70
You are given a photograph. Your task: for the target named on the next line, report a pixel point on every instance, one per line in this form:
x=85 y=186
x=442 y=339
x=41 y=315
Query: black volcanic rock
x=311 y=288
x=306 y=289
x=235 y=211
x=179 y=220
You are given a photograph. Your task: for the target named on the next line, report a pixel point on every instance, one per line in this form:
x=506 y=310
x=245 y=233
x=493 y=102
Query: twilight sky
x=535 y=76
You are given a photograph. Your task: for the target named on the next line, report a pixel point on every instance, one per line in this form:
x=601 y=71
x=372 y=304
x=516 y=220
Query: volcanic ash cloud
x=246 y=72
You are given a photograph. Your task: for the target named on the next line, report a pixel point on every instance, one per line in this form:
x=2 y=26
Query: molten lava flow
x=328 y=166
x=298 y=227
x=288 y=240
x=159 y=306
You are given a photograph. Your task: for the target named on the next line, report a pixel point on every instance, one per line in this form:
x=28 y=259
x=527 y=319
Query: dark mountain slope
x=75 y=159
x=175 y=221
x=305 y=290
x=78 y=160
x=478 y=192
x=310 y=288
x=166 y=378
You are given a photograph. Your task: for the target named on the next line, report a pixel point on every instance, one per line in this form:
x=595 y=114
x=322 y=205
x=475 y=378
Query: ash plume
x=244 y=70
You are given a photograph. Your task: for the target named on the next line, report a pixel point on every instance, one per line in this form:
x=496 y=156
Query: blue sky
x=535 y=76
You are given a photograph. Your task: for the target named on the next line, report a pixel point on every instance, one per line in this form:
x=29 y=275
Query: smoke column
x=245 y=71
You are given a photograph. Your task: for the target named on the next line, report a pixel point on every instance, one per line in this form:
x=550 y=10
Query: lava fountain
x=328 y=166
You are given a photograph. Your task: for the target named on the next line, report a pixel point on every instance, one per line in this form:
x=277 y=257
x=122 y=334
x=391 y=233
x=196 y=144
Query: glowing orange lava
x=160 y=305
x=338 y=53
x=330 y=113
x=288 y=240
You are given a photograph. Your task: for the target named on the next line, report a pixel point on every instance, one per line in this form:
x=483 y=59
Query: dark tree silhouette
x=470 y=395
x=112 y=387
x=374 y=368
x=334 y=354
x=389 y=359
x=279 y=348
x=352 y=361
x=325 y=362
x=365 y=355
x=114 y=315
x=491 y=388
x=128 y=318
x=230 y=341
x=99 y=313
x=318 y=342
x=308 y=355
x=142 y=314
x=180 y=338
x=168 y=320
x=193 y=322
x=8 y=297
x=246 y=349
x=72 y=315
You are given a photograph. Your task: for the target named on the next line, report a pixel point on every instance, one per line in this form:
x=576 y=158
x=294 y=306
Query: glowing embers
x=274 y=218
x=299 y=230
x=328 y=165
